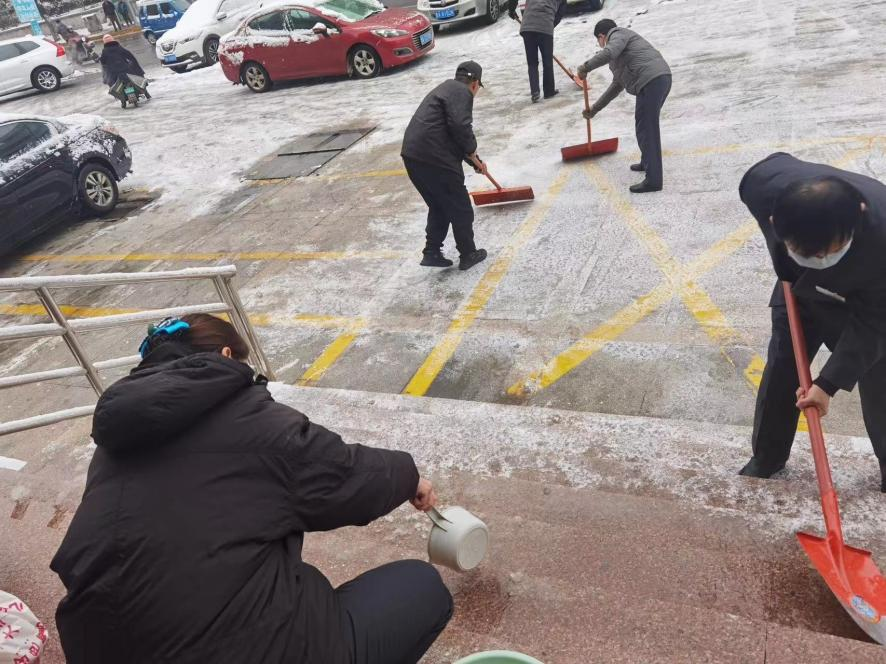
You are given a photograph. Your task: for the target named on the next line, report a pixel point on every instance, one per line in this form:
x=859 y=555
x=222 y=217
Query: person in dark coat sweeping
x=641 y=70
x=187 y=546
x=540 y=17
x=116 y=61
x=825 y=229
x=439 y=137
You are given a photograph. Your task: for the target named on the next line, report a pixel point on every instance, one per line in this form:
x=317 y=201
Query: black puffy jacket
x=187 y=545
x=441 y=131
x=117 y=60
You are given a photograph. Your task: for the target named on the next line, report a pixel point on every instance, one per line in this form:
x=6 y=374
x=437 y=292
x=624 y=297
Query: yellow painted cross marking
x=213 y=256
x=330 y=354
x=476 y=302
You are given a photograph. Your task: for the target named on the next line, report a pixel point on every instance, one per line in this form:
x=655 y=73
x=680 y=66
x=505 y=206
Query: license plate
x=168 y=59
x=129 y=91
x=426 y=38
x=446 y=13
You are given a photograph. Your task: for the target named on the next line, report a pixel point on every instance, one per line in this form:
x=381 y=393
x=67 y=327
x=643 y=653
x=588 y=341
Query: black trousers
x=776 y=415
x=395 y=612
x=446 y=196
x=115 y=21
x=646 y=119
x=535 y=43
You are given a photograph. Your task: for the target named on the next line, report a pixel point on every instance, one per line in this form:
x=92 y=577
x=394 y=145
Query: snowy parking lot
x=646 y=315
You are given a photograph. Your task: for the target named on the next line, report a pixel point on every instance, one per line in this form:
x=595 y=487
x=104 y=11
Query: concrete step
x=613 y=539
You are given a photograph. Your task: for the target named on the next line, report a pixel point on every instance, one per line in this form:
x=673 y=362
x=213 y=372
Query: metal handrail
x=68 y=328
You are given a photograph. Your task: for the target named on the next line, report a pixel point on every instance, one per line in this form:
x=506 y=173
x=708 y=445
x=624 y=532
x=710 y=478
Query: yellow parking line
x=390 y=173
x=213 y=256
x=330 y=354
x=629 y=316
x=476 y=302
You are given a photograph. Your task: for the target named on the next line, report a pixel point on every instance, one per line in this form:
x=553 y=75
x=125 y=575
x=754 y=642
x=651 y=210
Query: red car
x=323 y=38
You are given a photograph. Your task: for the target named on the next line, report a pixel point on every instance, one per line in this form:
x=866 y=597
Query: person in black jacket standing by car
x=187 y=545
x=825 y=229
x=439 y=138
x=540 y=17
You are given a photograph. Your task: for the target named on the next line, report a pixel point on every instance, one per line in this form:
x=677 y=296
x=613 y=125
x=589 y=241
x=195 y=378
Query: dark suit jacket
x=859 y=278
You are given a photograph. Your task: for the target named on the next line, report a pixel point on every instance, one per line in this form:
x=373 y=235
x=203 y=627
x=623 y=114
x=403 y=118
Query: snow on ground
x=200 y=133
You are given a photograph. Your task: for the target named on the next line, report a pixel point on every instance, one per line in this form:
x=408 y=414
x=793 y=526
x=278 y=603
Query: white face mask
x=820 y=262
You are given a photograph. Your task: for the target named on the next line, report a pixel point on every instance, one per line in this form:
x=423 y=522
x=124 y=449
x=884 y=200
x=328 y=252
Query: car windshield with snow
x=333 y=38
x=52 y=170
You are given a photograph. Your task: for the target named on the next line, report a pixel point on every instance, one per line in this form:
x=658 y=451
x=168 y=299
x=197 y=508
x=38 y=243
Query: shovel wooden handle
x=587 y=108
x=829 y=505
x=478 y=164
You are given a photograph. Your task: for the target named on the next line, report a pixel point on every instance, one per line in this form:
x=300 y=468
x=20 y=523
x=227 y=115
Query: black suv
x=52 y=170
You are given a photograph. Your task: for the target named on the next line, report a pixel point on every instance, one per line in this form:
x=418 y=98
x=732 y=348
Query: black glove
x=474 y=166
x=587 y=115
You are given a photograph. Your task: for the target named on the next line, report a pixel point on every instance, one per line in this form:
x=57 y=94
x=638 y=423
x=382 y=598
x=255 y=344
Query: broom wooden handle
x=479 y=164
x=587 y=108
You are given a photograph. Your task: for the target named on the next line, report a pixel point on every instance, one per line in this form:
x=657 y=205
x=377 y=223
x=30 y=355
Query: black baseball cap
x=471 y=70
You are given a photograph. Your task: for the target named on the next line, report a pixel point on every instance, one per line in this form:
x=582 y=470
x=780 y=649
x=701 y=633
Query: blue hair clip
x=166 y=327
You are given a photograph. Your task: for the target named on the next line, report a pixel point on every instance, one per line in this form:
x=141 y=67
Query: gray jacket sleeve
x=460 y=120
x=616 y=44
x=615 y=88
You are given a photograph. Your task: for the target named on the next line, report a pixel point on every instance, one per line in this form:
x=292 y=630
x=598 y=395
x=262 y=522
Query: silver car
x=441 y=12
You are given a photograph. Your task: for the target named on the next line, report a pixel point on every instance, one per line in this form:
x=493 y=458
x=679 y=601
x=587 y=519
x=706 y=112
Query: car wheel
x=210 y=51
x=179 y=69
x=595 y=5
x=364 y=61
x=493 y=11
x=151 y=37
x=97 y=189
x=255 y=77
x=46 y=79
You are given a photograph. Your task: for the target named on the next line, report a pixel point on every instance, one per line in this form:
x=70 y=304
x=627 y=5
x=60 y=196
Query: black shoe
x=883 y=477
x=643 y=187
x=535 y=98
x=755 y=468
x=553 y=94
x=435 y=259
x=639 y=168
x=470 y=260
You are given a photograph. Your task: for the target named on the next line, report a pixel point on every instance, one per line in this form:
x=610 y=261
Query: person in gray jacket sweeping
x=641 y=70
x=439 y=137
x=540 y=17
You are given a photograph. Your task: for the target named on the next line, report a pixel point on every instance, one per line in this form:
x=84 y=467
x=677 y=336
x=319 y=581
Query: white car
x=36 y=62
x=194 y=39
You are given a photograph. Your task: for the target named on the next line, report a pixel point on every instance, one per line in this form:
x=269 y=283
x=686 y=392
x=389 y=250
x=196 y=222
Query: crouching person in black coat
x=187 y=544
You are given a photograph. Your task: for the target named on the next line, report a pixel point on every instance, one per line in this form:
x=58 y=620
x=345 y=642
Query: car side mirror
x=320 y=29
x=221 y=16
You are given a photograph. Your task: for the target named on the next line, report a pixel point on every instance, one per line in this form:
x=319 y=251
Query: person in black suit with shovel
x=825 y=229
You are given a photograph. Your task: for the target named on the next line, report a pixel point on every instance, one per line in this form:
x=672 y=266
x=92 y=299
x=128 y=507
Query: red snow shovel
x=591 y=148
x=502 y=195
x=850 y=573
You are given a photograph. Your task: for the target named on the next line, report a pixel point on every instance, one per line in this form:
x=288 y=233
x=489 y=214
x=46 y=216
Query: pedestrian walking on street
x=825 y=229
x=111 y=14
x=540 y=17
x=439 y=138
x=187 y=545
x=123 y=12
x=641 y=70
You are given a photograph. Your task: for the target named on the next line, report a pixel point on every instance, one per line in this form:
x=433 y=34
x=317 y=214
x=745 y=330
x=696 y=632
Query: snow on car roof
x=312 y=4
x=77 y=120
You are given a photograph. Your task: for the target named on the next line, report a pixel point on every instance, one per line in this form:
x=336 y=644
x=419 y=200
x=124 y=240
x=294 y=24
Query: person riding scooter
x=119 y=67
x=80 y=49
